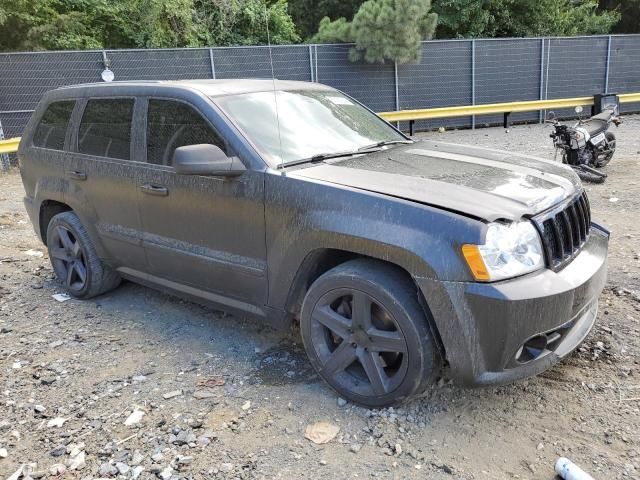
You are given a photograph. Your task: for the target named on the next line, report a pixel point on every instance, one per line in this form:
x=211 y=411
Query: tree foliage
x=495 y=18
x=80 y=24
x=521 y=18
x=629 y=11
x=307 y=14
x=383 y=30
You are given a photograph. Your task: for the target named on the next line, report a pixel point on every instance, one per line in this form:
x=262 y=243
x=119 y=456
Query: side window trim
x=76 y=117
x=145 y=129
x=76 y=148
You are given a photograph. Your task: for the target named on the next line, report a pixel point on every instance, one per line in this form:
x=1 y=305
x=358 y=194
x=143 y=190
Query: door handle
x=154 y=190
x=77 y=175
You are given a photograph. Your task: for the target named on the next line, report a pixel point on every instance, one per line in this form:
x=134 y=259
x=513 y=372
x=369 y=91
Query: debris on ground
x=321 y=432
x=134 y=418
x=211 y=381
x=61 y=297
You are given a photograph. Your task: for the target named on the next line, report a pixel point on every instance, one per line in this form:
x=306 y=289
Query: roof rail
x=89 y=84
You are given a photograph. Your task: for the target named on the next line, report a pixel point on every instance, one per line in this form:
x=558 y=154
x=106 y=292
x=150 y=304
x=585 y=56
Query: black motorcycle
x=587 y=146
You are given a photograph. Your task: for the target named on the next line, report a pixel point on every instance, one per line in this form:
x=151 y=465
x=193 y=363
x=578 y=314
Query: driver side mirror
x=206 y=159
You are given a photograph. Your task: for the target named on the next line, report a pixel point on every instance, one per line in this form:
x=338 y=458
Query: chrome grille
x=564 y=230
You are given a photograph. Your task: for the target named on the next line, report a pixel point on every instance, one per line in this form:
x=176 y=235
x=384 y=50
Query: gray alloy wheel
x=366 y=334
x=74 y=258
x=68 y=258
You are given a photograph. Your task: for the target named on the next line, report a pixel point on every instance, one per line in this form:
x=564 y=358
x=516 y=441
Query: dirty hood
x=480 y=182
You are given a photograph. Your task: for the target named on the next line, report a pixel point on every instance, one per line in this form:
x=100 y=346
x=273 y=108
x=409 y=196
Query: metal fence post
x=546 y=77
x=213 y=65
x=541 y=116
x=473 y=80
x=315 y=58
x=395 y=73
x=606 y=75
x=5 y=161
x=311 y=63
x=105 y=60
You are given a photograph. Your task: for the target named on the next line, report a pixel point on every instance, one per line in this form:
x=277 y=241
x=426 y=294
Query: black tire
x=603 y=160
x=374 y=359
x=74 y=258
x=590 y=177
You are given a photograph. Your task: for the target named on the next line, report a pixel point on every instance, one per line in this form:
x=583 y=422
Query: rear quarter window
x=105 y=128
x=52 y=128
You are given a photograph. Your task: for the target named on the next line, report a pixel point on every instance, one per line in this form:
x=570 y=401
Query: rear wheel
x=367 y=335
x=74 y=258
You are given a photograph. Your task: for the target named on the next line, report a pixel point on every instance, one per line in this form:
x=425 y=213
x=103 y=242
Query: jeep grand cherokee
x=291 y=202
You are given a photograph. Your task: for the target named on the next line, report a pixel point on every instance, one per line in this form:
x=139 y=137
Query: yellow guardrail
x=10 y=145
x=486 y=109
x=493 y=108
x=629 y=97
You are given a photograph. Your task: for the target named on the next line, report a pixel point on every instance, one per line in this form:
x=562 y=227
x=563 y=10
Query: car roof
x=210 y=88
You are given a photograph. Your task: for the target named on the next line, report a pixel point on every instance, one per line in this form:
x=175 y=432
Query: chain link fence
x=450 y=72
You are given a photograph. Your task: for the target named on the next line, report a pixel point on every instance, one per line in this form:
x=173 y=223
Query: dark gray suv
x=291 y=202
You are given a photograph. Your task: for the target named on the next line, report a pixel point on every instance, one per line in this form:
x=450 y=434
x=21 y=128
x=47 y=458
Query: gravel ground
x=139 y=384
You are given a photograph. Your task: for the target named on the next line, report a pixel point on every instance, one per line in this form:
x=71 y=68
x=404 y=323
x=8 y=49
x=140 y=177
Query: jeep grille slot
x=564 y=230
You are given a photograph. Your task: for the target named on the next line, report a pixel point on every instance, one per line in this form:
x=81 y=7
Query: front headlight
x=581 y=136
x=509 y=250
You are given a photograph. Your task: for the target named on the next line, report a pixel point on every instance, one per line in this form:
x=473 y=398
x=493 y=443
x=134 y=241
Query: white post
x=395 y=72
x=473 y=81
x=541 y=116
x=4 y=158
x=213 y=65
x=606 y=76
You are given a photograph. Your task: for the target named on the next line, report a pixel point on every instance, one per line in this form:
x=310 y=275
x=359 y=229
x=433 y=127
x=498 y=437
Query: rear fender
x=83 y=208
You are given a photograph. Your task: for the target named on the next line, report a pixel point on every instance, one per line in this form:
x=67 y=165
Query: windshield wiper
x=385 y=143
x=325 y=156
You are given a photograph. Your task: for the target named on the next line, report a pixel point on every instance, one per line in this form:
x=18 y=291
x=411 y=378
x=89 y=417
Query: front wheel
x=589 y=177
x=367 y=335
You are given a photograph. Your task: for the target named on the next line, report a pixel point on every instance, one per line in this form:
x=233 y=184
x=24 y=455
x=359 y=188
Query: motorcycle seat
x=594 y=127
x=597 y=123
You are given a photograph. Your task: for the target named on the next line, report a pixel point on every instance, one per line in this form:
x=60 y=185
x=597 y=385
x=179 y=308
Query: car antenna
x=273 y=80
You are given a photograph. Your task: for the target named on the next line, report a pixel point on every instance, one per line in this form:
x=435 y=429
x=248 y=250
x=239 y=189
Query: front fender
x=303 y=216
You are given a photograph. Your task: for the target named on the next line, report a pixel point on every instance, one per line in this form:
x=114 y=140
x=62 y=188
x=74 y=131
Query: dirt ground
x=72 y=373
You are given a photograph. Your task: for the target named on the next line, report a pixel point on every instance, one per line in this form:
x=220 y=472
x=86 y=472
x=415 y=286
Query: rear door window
x=172 y=124
x=52 y=129
x=105 y=129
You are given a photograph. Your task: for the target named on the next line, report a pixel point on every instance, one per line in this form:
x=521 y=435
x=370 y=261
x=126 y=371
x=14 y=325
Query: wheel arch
x=49 y=209
x=321 y=260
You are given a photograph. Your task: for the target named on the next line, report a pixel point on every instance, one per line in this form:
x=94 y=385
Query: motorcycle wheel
x=604 y=159
x=590 y=177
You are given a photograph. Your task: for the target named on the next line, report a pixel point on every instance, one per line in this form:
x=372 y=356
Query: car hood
x=478 y=182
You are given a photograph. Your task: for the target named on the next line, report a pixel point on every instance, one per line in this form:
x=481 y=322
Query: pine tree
x=383 y=30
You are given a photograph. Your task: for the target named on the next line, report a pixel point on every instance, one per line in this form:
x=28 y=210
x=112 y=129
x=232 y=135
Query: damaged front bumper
x=495 y=333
